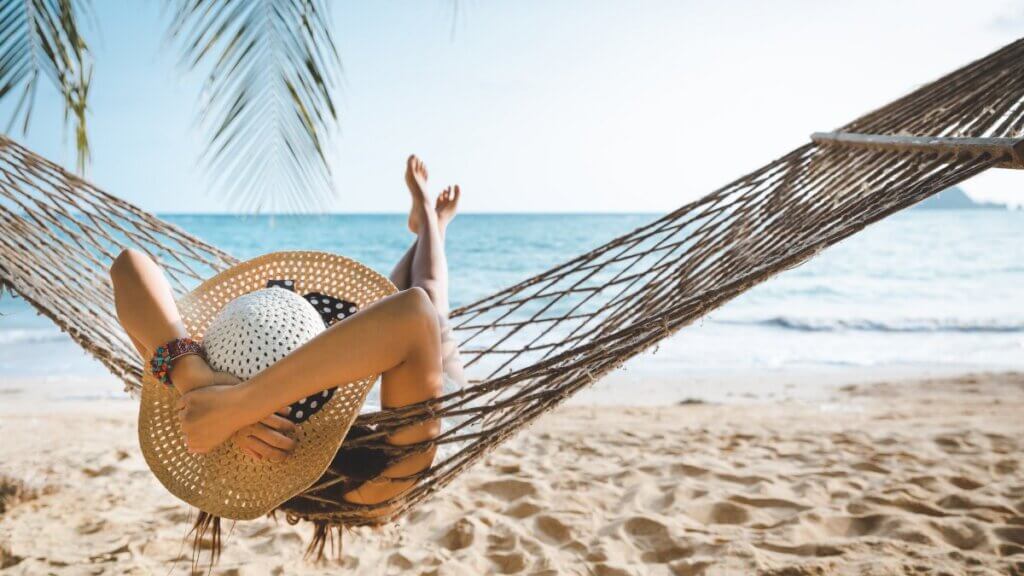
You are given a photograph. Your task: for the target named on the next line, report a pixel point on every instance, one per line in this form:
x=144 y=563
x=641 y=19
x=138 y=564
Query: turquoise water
x=920 y=289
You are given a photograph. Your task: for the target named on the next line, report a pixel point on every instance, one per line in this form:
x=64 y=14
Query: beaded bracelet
x=165 y=355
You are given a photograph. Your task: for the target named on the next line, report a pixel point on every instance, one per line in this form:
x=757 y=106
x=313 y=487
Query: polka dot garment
x=331 y=310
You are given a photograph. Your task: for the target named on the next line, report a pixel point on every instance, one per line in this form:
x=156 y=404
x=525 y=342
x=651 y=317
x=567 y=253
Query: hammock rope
x=531 y=346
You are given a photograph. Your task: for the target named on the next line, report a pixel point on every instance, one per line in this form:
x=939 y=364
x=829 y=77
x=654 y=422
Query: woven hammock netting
x=531 y=346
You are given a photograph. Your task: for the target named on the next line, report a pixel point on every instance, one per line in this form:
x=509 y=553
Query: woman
x=401 y=337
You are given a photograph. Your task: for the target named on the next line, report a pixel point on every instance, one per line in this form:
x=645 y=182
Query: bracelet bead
x=163 y=359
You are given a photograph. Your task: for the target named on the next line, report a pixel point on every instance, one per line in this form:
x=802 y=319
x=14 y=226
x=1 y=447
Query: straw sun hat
x=248 y=317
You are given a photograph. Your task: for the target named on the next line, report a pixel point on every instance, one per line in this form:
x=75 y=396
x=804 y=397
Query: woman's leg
x=444 y=209
x=429 y=269
x=401 y=273
x=422 y=266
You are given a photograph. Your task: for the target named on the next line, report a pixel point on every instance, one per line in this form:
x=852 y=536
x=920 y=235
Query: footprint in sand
x=1011 y=534
x=972 y=503
x=553 y=529
x=683 y=469
x=1006 y=466
x=8 y=559
x=175 y=514
x=273 y=543
x=965 y=483
x=512 y=563
x=1002 y=444
x=810 y=549
x=165 y=549
x=959 y=443
x=510 y=489
x=907 y=504
x=767 y=502
x=868 y=466
x=721 y=513
x=1010 y=550
x=523 y=509
x=855 y=526
x=738 y=479
x=665 y=501
x=101 y=471
x=693 y=567
x=399 y=561
x=502 y=540
x=654 y=539
x=962 y=534
x=461 y=535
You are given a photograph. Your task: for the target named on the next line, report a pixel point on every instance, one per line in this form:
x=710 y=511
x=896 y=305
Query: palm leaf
x=267 y=104
x=42 y=39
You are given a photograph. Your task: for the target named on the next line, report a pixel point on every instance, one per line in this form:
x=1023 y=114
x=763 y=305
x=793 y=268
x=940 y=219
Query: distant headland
x=956 y=199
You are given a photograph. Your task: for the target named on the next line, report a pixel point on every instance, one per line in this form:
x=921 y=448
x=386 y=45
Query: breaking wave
x=905 y=325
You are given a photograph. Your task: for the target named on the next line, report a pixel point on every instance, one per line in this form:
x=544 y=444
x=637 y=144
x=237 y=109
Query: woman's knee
x=128 y=264
x=418 y=308
x=436 y=292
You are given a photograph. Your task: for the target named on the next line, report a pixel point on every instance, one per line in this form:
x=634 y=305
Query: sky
x=542 y=105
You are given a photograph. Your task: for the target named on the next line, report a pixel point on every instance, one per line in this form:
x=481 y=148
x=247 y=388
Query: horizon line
x=406 y=213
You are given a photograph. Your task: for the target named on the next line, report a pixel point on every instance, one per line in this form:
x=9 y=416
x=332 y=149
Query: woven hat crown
x=257 y=329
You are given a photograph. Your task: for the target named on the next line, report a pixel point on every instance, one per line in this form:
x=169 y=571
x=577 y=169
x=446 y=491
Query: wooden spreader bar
x=1009 y=151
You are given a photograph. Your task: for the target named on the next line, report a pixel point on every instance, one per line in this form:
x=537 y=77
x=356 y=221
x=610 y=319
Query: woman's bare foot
x=446 y=204
x=416 y=179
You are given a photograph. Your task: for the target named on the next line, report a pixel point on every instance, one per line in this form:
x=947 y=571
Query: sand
x=914 y=477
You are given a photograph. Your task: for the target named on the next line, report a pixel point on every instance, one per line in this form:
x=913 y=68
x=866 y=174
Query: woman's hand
x=268 y=438
x=211 y=413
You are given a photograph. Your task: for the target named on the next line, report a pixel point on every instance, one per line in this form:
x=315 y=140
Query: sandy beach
x=909 y=477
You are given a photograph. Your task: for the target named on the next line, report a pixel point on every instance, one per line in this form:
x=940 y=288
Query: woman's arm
x=146 y=309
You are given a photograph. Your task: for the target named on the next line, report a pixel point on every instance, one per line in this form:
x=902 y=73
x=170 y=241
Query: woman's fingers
x=245 y=443
x=261 y=441
x=266 y=439
x=278 y=423
x=259 y=450
x=273 y=438
x=266 y=451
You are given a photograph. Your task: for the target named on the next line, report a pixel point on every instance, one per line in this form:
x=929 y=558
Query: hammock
x=531 y=346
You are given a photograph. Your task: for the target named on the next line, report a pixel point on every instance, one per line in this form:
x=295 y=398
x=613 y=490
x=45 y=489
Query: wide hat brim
x=227 y=482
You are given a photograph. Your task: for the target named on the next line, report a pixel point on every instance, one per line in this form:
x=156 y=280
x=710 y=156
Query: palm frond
x=42 y=39
x=267 y=104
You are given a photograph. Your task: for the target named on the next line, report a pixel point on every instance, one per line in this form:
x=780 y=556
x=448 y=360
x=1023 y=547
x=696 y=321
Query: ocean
x=923 y=292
